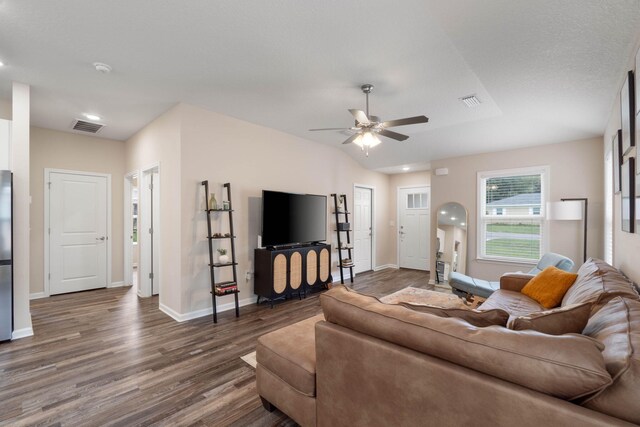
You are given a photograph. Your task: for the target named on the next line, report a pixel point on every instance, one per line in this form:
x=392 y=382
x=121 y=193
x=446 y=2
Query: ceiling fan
x=368 y=127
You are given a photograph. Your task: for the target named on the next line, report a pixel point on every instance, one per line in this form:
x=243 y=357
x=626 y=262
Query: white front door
x=78 y=232
x=362 y=199
x=413 y=230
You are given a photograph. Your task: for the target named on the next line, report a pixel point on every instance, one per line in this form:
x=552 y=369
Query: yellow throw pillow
x=549 y=286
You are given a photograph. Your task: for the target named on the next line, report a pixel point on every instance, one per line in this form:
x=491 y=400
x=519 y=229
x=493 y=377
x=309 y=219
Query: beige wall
x=576 y=170
x=252 y=158
x=5 y=109
x=63 y=150
x=21 y=113
x=159 y=143
x=626 y=246
x=412 y=179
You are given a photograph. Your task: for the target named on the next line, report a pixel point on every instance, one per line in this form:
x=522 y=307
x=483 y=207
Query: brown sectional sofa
x=370 y=363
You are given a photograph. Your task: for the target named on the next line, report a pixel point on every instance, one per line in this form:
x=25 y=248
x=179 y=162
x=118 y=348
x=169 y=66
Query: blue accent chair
x=465 y=286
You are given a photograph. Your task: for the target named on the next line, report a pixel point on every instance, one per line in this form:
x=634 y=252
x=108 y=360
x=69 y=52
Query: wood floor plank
x=109 y=358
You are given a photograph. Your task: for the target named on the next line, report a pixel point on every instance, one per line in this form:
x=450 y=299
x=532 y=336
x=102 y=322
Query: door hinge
x=151 y=231
x=150 y=275
x=150 y=186
x=49 y=184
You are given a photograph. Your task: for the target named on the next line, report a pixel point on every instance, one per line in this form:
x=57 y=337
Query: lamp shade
x=570 y=210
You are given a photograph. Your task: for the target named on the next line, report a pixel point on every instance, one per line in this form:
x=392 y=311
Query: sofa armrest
x=514 y=281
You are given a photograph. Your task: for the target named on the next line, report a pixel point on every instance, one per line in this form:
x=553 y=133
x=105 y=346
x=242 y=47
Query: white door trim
x=398 y=201
x=47 y=179
x=373 y=220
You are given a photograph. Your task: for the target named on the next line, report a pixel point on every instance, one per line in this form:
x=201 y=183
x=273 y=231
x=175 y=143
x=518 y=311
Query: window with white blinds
x=511 y=214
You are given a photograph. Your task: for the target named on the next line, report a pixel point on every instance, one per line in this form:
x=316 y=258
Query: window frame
x=545 y=178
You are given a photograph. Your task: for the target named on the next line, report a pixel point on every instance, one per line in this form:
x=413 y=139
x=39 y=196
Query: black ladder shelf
x=348 y=246
x=219 y=289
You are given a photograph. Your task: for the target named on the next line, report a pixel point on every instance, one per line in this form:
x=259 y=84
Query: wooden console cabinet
x=281 y=273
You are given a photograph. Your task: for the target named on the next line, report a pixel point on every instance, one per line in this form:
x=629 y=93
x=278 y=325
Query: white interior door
x=148 y=234
x=362 y=227
x=78 y=232
x=155 y=240
x=413 y=230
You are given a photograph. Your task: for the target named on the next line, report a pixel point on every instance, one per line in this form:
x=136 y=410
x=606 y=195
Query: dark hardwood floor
x=107 y=357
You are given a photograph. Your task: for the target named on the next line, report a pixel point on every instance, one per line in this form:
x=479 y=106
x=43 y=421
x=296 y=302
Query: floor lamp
x=570 y=209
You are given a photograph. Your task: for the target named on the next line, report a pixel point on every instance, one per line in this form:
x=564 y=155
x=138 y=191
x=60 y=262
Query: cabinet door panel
x=295 y=265
x=324 y=265
x=312 y=267
x=279 y=273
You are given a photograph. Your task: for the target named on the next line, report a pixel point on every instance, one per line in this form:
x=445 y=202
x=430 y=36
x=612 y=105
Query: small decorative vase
x=223 y=259
x=213 y=204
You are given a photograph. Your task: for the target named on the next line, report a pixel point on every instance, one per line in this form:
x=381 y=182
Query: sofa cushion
x=570 y=319
x=573 y=368
x=597 y=283
x=290 y=354
x=475 y=317
x=548 y=287
x=617 y=325
x=514 y=303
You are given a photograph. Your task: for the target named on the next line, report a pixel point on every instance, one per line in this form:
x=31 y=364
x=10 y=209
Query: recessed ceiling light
x=463 y=224
x=1 y=64
x=406 y=168
x=102 y=67
x=453 y=218
x=91 y=116
x=470 y=101
x=443 y=212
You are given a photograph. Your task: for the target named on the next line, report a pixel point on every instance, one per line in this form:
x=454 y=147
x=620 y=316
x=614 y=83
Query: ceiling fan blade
x=330 y=129
x=360 y=116
x=406 y=121
x=393 y=135
x=351 y=138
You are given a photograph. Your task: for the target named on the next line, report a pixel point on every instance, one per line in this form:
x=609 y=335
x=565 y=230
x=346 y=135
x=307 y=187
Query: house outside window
x=511 y=218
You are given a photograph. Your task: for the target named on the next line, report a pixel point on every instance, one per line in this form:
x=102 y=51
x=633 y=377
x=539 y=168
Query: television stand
x=287 y=271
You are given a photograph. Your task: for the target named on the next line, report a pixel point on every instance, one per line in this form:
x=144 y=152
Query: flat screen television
x=289 y=219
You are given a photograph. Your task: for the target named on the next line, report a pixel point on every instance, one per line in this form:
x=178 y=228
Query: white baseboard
x=385 y=266
x=22 y=333
x=116 y=285
x=37 y=295
x=346 y=274
x=205 y=311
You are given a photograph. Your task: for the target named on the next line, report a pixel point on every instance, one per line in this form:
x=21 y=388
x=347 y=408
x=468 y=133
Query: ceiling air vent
x=85 y=126
x=470 y=101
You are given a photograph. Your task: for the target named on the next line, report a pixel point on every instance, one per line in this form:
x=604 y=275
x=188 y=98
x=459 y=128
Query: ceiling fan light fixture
x=369 y=139
x=358 y=141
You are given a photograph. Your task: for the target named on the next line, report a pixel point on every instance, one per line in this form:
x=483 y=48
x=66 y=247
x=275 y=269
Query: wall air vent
x=470 y=101
x=85 y=126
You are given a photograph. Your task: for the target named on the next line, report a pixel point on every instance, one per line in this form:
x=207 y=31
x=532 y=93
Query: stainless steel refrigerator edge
x=6 y=255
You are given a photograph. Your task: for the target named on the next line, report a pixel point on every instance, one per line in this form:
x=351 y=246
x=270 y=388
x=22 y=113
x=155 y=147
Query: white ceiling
x=546 y=71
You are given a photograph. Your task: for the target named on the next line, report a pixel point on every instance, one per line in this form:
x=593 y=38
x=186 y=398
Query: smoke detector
x=102 y=68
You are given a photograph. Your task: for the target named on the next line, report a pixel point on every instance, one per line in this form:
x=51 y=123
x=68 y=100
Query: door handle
x=100 y=238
